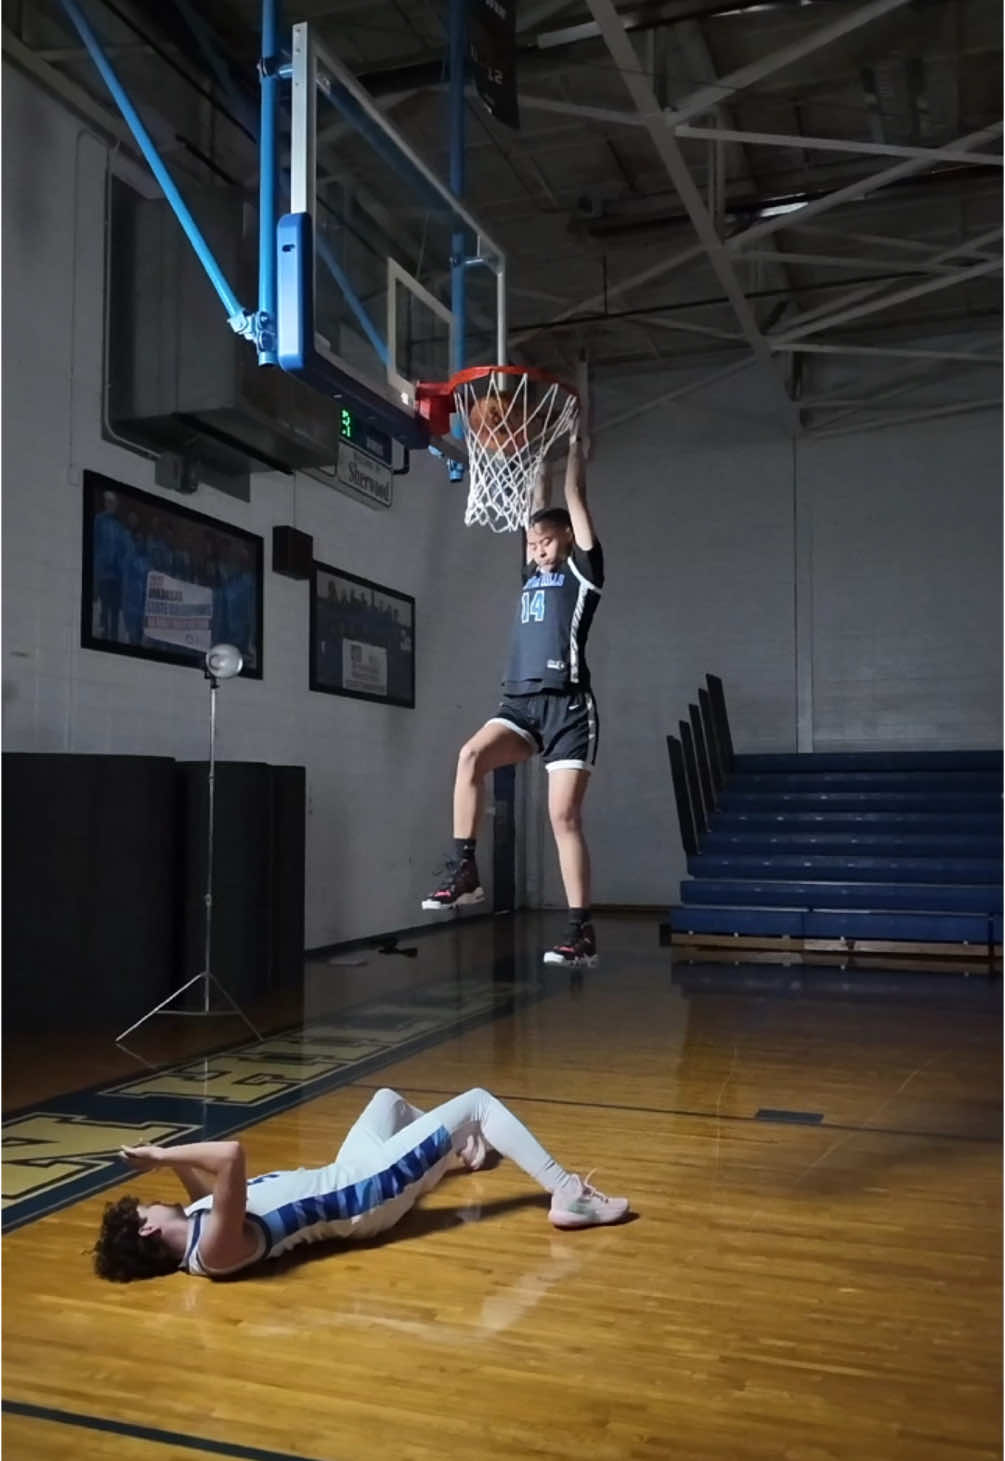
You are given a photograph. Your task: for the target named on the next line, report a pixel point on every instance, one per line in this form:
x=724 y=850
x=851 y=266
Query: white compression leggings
x=390 y=1126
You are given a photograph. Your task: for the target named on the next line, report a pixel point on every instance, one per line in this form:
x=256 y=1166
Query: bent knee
x=468 y=758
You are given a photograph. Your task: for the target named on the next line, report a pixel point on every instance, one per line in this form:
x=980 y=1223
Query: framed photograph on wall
x=362 y=638
x=162 y=582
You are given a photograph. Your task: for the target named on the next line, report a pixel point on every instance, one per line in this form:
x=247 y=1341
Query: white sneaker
x=578 y=1205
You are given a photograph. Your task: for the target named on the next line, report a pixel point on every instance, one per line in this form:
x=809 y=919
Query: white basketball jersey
x=316 y=1203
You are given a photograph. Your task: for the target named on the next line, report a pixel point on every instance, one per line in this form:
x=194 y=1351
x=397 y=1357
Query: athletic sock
x=578 y=917
x=464 y=849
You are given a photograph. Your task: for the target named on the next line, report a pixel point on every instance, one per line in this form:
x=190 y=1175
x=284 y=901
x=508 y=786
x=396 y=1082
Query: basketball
x=489 y=425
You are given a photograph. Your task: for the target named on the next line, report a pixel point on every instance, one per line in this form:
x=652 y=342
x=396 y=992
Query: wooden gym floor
x=813 y=1274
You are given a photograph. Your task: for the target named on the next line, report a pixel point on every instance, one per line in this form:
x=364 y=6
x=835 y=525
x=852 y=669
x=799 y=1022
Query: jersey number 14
x=532 y=606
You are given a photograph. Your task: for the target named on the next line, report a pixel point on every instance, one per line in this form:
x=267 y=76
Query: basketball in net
x=511 y=419
x=487 y=422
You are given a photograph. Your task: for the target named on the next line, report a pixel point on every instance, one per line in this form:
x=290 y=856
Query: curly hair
x=122 y=1254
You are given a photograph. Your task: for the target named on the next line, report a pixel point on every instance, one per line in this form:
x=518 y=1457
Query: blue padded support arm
x=237 y=317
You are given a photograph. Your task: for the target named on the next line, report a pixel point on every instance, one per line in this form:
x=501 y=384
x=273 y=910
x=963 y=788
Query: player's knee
x=479 y=1096
x=467 y=760
x=566 y=821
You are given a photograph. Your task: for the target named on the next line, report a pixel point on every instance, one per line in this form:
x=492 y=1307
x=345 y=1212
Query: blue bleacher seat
x=897 y=847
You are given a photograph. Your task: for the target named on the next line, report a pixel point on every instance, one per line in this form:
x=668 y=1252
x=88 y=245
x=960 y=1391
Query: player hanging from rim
x=547 y=709
x=392 y=1156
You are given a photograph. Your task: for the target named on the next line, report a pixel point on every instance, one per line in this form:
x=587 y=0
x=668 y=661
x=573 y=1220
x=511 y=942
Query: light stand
x=223 y=662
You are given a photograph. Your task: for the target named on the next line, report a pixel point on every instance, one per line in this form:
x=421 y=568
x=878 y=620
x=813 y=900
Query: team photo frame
x=163 y=582
x=362 y=638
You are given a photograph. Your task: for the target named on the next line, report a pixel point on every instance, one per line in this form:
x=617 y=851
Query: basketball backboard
x=365 y=255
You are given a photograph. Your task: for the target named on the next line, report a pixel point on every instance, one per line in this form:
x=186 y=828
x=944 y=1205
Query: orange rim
x=478 y=372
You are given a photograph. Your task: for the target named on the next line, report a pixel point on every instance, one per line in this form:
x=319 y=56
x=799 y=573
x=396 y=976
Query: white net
x=511 y=420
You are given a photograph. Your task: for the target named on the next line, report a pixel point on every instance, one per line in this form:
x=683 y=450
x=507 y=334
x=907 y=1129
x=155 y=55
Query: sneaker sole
x=570 y=1220
x=588 y=961
x=430 y=905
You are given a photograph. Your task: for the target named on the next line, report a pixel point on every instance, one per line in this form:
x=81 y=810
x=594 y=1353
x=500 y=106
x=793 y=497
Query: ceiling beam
x=853 y=192
x=864 y=404
x=626 y=60
x=927 y=413
x=707 y=98
x=834 y=144
x=910 y=245
x=845 y=261
x=634 y=281
x=616 y=116
x=527 y=16
x=665 y=397
x=667 y=324
x=624 y=117
x=887 y=301
x=871 y=290
x=916 y=379
x=813 y=349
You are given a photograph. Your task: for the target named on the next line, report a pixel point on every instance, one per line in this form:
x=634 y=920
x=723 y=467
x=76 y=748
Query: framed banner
x=362 y=639
x=162 y=582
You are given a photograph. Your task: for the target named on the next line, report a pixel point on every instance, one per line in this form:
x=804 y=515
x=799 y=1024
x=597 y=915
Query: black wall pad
x=701 y=753
x=712 y=741
x=679 y=777
x=717 y=695
x=694 y=785
x=90 y=877
x=287 y=874
x=104 y=880
x=258 y=876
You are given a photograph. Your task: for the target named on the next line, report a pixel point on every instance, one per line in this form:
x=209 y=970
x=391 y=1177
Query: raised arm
x=575 y=495
x=538 y=497
x=197 y=1181
x=217 y=1168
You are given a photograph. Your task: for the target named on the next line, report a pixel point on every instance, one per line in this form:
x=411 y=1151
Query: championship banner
x=178 y=613
x=492 y=56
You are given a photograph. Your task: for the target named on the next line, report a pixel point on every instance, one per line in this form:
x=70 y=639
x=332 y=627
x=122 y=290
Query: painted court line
x=151 y=1433
x=787 y=1118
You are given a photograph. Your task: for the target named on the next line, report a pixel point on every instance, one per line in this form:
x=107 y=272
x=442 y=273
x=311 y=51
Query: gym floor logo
x=50 y=1152
x=67 y=1149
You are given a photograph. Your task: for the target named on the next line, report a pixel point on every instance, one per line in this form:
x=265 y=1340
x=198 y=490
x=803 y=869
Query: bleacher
x=835 y=857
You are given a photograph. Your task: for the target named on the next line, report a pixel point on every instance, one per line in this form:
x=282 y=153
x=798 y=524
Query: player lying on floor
x=392 y=1156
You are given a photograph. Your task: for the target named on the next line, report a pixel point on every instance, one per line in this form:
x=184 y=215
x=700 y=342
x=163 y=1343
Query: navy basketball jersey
x=556 y=609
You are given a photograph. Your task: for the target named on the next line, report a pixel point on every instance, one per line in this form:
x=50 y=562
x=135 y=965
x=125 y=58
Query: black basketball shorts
x=562 y=728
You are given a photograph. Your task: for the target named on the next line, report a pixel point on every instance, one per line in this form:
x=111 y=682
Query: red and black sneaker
x=577 y=951
x=459 y=888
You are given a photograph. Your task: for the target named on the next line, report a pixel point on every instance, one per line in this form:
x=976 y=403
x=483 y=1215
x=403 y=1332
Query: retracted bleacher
x=851 y=857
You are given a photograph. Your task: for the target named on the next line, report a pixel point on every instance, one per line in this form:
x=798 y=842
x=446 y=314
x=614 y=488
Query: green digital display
x=367 y=438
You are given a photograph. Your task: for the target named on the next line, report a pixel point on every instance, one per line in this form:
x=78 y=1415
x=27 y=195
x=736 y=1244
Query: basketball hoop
x=511 y=418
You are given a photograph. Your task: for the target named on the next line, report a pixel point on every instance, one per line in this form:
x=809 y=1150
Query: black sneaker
x=459 y=888
x=577 y=951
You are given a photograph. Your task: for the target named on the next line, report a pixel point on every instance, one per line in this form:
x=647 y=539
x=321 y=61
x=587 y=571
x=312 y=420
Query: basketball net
x=511 y=420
